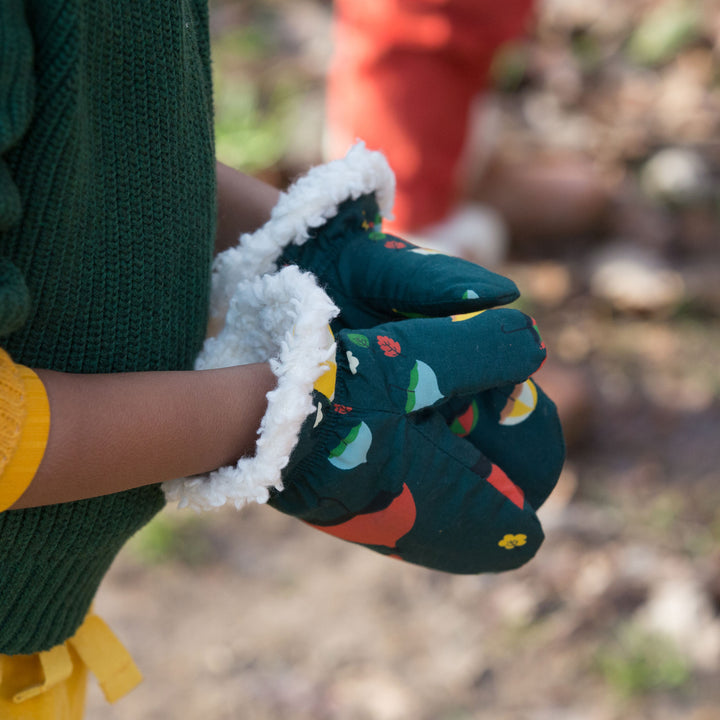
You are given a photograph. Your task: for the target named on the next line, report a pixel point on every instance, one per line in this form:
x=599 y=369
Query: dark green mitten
x=354 y=441
x=329 y=223
x=377 y=465
x=455 y=471
x=374 y=277
x=517 y=428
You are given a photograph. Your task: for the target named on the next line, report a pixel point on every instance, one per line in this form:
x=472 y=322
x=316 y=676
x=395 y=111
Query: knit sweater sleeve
x=24 y=411
x=17 y=92
x=16 y=98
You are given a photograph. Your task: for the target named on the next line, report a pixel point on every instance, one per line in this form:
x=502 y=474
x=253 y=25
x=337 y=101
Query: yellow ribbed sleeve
x=24 y=428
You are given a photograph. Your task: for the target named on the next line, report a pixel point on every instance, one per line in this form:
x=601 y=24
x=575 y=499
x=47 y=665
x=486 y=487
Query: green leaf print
x=358 y=339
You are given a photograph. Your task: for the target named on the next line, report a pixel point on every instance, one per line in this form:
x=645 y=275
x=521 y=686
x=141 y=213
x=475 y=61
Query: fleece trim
x=281 y=318
x=309 y=203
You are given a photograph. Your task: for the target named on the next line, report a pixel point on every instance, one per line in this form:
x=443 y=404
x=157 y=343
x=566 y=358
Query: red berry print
x=395 y=244
x=342 y=409
x=390 y=347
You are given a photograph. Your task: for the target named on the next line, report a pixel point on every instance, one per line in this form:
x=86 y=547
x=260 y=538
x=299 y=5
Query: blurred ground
x=255 y=616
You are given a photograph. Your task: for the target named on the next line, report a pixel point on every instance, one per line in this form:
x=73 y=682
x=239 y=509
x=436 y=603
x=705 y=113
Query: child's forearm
x=244 y=205
x=110 y=433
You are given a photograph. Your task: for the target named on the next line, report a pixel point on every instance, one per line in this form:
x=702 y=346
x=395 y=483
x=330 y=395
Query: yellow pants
x=51 y=685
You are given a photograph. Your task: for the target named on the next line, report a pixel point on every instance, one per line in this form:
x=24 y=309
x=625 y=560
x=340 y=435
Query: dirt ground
x=254 y=616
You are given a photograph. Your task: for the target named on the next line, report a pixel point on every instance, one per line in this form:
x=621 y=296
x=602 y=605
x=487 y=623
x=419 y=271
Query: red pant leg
x=403 y=78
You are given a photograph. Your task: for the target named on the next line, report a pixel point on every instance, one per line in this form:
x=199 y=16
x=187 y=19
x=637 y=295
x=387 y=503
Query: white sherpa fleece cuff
x=309 y=203
x=281 y=318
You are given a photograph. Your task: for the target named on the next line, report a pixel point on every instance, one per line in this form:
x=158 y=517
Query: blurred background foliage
x=256 y=616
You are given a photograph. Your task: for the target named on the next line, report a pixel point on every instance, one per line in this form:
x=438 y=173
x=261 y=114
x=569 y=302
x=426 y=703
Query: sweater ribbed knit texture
x=106 y=226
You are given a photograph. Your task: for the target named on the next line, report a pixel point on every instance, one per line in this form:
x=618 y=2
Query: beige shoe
x=473 y=232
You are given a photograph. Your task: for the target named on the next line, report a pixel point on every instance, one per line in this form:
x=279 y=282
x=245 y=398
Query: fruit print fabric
x=520 y=404
x=353 y=448
x=420 y=490
x=374 y=277
x=423 y=390
x=394 y=477
x=529 y=448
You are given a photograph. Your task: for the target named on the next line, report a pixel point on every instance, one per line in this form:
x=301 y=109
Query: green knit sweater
x=106 y=224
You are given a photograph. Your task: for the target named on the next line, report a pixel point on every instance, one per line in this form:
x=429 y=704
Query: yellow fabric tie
x=56 y=666
x=50 y=685
x=106 y=657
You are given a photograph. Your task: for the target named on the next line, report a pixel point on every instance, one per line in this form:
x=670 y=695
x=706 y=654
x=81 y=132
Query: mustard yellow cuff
x=24 y=461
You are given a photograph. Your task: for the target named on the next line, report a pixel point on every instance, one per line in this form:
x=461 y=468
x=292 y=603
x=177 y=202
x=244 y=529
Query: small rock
x=549 y=283
x=593 y=578
x=634 y=279
x=516 y=602
x=373 y=695
x=679 y=608
x=678 y=176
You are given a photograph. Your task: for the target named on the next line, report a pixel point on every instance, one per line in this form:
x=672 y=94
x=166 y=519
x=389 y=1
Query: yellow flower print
x=512 y=541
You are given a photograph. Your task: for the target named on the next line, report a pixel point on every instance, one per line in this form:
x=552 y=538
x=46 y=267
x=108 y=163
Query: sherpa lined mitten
x=329 y=222
x=374 y=460
x=380 y=467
